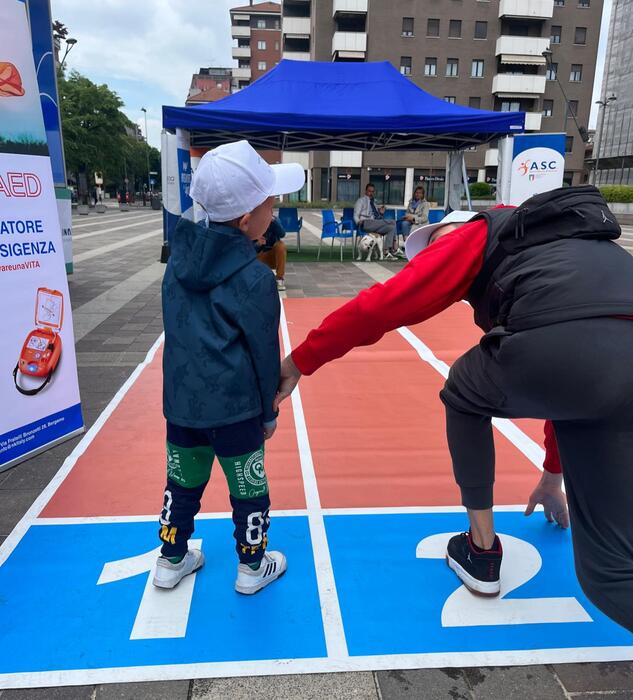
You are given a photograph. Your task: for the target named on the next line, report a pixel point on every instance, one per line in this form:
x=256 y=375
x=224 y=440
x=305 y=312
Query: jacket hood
x=203 y=258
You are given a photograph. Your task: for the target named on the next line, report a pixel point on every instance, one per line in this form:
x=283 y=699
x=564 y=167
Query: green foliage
x=480 y=190
x=98 y=137
x=24 y=145
x=617 y=193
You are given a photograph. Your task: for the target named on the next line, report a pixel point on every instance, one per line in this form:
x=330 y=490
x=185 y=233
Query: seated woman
x=417 y=212
x=272 y=251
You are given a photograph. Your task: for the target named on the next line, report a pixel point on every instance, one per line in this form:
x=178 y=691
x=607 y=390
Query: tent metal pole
x=465 y=178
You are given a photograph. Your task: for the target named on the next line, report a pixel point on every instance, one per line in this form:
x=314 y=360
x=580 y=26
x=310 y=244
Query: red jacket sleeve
x=552 y=457
x=436 y=278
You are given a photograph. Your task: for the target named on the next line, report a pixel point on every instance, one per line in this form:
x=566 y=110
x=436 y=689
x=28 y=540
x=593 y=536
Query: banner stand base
x=43 y=448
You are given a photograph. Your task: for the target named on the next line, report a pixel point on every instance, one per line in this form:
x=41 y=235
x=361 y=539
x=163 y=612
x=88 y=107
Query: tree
x=98 y=137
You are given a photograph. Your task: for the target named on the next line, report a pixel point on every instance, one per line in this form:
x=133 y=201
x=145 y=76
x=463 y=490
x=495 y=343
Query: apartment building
x=209 y=85
x=256 y=33
x=614 y=143
x=486 y=54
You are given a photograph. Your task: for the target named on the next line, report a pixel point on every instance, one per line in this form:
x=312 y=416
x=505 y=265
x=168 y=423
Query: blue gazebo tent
x=305 y=105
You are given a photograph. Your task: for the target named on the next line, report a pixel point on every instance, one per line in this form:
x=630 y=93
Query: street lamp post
x=547 y=54
x=147 y=150
x=69 y=45
x=604 y=104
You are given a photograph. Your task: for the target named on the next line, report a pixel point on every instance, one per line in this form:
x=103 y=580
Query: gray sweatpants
x=386 y=228
x=580 y=375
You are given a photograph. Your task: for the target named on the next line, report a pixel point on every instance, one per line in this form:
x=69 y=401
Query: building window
x=548 y=108
x=450 y=99
x=455 y=29
x=584 y=3
x=552 y=69
x=405 y=65
x=559 y=3
x=261 y=24
x=575 y=75
x=569 y=144
x=430 y=66
x=261 y=45
x=276 y=46
x=452 y=67
x=261 y=65
x=572 y=109
x=557 y=30
x=580 y=35
x=509 y=106
x=407 y=26
x=481 y=30
x=477 y=68
x=474 y=102
x=433 y=27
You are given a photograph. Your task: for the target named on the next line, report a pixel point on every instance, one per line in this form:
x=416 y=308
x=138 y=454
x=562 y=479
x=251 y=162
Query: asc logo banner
x=538 y=164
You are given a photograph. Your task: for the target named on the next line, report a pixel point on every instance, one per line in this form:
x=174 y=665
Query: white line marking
x=105 y=218
x=140 y=222
x=102 y=250
x=330 y=609
x=535 y=453
x=31 y=514
x=107 y=519
x=268 y=667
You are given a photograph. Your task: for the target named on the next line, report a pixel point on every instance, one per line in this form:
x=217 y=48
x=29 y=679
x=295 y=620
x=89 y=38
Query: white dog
x=370 y=243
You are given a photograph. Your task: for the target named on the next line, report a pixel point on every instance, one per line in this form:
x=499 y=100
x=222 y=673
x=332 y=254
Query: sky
x=148 y=51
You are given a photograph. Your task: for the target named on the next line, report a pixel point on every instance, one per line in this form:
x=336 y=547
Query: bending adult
x=417 y=212
x=556 y=303
x=370 y=219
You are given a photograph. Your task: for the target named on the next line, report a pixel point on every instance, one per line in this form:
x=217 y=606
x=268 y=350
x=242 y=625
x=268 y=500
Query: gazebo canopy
x=308 y=106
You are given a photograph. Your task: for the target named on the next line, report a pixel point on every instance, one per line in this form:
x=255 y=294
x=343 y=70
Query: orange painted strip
x=123 y=470
x=376 y=424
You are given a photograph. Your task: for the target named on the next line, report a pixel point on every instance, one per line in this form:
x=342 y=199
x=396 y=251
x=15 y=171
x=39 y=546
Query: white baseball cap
x=233 y=179
x=418 y=239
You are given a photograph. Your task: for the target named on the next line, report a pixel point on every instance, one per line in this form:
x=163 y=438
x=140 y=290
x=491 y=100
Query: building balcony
x=526 y=9
x=492 y=158
x=297 y=55
x=240 y=32
x=349 y=45
x=242 y=73
x=533 y=121
x=350 y=7
x=241 y=52
x=296 y=26
x=510 y=85
x=524 y=50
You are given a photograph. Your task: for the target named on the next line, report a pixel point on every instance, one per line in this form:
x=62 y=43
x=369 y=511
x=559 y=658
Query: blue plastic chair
x=389 y=215
x=291 y=222
x=400 y=214
x=348 y=224
x=435 y=215
x=333 y=229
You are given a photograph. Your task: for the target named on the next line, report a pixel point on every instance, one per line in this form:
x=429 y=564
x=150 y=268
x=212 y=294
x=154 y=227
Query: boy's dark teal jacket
x=221 y=317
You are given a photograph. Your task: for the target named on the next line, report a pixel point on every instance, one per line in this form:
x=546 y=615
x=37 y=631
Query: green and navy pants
x=190 y=456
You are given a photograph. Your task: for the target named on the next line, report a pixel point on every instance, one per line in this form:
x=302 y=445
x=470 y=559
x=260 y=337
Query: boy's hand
x=288 y=380
x=549 y=492
x=269 y=429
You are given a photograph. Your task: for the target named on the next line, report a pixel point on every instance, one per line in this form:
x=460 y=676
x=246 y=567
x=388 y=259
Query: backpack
x=566 y=212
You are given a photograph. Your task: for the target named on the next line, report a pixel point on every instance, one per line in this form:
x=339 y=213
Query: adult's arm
x=422 y=213
x=436 y=278
x=551 y=463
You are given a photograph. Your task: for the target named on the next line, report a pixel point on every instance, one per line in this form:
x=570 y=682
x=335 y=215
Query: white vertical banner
x=39 y=391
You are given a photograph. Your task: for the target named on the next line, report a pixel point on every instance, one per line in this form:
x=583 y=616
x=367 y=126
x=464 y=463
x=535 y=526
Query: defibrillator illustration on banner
x=42 y=348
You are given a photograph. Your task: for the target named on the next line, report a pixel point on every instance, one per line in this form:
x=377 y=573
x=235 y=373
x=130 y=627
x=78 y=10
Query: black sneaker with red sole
x=477 y=569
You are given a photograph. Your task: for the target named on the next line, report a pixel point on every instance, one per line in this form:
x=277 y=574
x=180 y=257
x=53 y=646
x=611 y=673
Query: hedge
x=480 y=190
x=617 y=193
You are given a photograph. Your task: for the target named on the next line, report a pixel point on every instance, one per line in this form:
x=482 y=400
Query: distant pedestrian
x=272 y=251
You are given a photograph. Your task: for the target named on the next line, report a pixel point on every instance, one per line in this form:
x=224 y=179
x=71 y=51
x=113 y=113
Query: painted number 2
x=155 y=618
x=521 y=562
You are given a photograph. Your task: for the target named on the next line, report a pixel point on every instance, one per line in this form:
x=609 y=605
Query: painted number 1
x=157 y=617
x=521 y=562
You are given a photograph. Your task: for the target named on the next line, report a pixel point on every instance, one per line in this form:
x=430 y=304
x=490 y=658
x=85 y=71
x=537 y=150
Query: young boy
x=221 y=361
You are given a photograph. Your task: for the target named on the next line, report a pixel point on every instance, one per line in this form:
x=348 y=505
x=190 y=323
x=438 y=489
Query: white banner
x=538 y=165
x=39 y=391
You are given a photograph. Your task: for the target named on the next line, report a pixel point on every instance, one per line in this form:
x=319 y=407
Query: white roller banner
x=39 y=391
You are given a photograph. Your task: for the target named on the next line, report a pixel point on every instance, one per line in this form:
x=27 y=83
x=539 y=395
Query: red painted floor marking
x=376 y=424
x=123 y=470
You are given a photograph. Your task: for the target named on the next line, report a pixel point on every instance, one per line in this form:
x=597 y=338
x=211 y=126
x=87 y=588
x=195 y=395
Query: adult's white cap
x=418 y=239
x=233 y=179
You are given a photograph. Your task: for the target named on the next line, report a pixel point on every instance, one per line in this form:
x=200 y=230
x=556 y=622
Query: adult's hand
x=549 y=493
x=288 y=380
x=269 y=429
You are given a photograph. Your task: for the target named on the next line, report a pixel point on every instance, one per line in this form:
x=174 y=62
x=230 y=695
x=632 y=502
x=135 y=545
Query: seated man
x=272 y=251
x=369 y=218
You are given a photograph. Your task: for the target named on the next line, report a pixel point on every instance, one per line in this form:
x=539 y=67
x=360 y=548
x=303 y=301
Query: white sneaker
x=272 y=566
x=169 y=575
x=390 y=256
